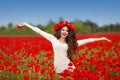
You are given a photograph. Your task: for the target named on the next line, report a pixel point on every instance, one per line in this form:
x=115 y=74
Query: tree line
x=82 y=27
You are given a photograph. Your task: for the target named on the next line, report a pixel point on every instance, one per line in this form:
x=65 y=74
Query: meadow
x=31 y=58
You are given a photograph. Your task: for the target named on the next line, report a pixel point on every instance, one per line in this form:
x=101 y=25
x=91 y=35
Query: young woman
x=64 y=43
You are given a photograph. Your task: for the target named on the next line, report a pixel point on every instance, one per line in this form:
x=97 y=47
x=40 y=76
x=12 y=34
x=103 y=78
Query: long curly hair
x=71 y=40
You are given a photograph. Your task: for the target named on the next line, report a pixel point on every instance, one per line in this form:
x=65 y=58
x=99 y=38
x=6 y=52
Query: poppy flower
x=19 y=26
x=64 y=23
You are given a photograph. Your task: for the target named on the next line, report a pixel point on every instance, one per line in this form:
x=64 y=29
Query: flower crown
x=64 y=23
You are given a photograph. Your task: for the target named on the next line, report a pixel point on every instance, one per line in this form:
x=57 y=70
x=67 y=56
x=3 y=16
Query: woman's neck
x=62 y=40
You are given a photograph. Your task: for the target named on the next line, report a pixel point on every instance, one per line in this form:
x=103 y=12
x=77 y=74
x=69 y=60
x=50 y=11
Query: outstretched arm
x=84 y=41
x=37 y=30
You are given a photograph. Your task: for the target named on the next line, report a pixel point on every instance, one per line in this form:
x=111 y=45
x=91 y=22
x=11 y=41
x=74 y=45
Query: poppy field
x=31 y=58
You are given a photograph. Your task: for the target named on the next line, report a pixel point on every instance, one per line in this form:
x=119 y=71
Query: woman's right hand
x=21 y=25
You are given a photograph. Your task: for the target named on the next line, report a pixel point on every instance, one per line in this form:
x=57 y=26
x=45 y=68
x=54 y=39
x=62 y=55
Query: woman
x=64 y=43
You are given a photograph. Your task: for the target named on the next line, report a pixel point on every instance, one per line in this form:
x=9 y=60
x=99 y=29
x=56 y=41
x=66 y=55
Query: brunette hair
x=71 y=40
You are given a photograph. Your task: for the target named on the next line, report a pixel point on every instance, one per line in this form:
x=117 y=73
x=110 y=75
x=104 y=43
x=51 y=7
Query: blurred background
x=89 y=16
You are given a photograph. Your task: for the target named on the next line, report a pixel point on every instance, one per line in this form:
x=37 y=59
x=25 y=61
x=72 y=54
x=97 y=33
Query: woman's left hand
x=104 y=38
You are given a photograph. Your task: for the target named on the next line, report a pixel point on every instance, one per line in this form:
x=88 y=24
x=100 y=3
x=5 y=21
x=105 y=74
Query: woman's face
x=64 y=32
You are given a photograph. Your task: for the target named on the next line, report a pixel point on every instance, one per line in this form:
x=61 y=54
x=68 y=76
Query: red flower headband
x=64 y=23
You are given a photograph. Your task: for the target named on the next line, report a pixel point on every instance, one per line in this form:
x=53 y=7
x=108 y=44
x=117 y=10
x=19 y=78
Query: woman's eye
x=62 y=29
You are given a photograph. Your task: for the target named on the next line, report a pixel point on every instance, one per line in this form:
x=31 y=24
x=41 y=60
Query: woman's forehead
x=65 y=27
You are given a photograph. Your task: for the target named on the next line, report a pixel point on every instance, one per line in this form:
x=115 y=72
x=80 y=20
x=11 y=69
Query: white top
x=61 y=60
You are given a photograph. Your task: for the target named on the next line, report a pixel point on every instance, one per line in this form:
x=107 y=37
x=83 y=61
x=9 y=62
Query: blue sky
x=41 y=11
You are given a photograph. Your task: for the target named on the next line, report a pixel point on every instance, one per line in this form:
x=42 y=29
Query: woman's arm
x=48 y=36
x=84 y=41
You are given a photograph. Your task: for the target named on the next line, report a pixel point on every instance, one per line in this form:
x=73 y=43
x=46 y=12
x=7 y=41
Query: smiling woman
x=64 y=43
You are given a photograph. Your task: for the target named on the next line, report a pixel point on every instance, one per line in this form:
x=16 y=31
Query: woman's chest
x=60 y=47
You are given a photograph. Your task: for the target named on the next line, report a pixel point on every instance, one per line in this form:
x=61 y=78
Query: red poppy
x=64 y=23
x=70 y=64
x=26 y=78
x=7 y=63
x=19 y=26
x=42 y=71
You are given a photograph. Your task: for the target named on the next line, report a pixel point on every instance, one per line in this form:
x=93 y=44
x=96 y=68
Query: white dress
x=61 y=60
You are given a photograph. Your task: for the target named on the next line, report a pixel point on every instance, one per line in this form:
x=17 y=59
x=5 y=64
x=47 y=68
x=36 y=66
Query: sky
x=101 y=12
